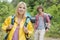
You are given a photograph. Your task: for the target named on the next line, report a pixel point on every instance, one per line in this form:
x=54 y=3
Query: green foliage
x=6 y=9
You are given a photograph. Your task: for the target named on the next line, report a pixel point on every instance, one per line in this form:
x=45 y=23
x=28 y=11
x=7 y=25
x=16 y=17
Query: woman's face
x=21 y=9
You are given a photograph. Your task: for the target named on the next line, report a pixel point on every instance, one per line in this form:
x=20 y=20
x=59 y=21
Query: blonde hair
x=19 y=5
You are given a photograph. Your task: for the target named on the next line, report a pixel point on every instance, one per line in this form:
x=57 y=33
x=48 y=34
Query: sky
x=9 y=0
x=6 y=0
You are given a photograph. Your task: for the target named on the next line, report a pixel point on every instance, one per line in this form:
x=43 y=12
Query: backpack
x=33 y=19
x=12 y=22
x=45 y=21
x=49 y=15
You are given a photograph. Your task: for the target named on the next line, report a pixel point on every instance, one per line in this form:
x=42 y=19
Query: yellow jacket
x=21 y=30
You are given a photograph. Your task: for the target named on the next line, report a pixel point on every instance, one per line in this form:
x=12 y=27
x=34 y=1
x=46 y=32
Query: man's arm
x=48 y=22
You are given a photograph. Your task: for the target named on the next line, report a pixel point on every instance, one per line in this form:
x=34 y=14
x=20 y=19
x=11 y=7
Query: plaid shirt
x=37 y=18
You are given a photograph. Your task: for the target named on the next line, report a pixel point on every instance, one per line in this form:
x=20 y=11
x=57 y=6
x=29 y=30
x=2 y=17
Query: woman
x=18 y=30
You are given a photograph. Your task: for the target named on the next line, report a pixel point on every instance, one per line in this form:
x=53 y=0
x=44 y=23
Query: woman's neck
x=20 y=16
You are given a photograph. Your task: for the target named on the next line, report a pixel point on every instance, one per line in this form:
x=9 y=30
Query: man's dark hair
x=40 y=7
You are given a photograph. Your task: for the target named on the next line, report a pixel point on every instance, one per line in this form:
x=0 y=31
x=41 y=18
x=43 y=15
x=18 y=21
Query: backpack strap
x=25 y=25
x=45 y=20
x=26 y=21
x=12 y=20
x=36 y=22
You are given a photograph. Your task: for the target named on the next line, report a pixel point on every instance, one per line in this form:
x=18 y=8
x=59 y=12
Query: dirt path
x=46 y=38
x=52 y=38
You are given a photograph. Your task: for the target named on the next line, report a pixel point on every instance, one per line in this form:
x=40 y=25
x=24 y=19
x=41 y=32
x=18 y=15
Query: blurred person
x=18 y=31
x=42 y=24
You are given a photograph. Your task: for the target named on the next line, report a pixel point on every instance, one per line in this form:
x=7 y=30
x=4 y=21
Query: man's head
x=40 y=9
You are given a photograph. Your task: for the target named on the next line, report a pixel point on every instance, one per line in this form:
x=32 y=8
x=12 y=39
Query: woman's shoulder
x=8 y=18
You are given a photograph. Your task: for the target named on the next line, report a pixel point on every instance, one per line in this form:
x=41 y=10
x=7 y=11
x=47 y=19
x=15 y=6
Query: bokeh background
x=7 y=8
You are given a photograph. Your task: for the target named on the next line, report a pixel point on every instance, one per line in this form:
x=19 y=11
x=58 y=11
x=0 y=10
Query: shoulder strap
x=45 y=20
x=37 y=16
x=26 y=21
x=12 y=19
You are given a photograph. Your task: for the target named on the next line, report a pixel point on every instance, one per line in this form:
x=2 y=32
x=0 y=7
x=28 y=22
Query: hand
x=47 y=30
x=9 y=27
x=48 y=25
x=25 y=30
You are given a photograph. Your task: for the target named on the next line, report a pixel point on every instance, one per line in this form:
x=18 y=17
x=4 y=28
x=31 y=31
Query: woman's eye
x=23 y=7
x=20 y=7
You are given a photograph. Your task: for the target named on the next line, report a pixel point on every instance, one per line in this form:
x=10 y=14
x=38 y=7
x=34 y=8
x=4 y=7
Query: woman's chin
x=20 y=13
